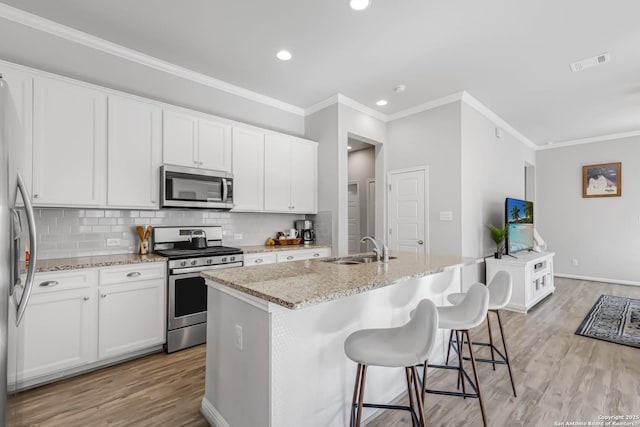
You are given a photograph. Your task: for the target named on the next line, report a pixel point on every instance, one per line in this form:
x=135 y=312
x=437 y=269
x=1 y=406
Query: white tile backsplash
x=84 y=232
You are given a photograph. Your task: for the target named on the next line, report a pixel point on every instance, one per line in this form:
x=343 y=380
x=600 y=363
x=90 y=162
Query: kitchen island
x=275 y=335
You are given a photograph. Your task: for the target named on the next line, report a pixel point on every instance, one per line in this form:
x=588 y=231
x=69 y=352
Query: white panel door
x=214 y=145
x=304 y=176
x=353 y=206
x=69 y=144
x=179 y=139
x=131 y=317
x=407 y=212
x=248 y=170
x=57 y=333
x=277 y=173
x=135 y=153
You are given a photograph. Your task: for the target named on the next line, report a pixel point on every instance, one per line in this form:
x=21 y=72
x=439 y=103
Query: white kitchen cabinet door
x=19 y=120
x=69 y=144
x=135 y=153
x=131 y=317
x=304 y=176
x=277 y=173
x=248 y=170
x=179 y=139
x=58 y=332
x=214 y=145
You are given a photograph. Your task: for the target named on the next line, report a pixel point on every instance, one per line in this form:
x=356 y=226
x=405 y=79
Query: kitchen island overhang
x=276 y=332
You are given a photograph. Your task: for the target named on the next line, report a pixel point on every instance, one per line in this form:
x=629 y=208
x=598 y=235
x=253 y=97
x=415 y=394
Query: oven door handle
x=180 y=271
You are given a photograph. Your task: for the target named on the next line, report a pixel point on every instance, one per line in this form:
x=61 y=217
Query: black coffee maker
x=305 y=231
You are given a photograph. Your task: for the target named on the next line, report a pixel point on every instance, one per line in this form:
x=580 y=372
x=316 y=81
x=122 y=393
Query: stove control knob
x=224 y=259
x=209 y=261
x=194 y=262
x=233 y=258
x=183 y=263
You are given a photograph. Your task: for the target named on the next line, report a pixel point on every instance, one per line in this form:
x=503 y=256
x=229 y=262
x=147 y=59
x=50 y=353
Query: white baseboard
x=597 y=279
x=212 y=415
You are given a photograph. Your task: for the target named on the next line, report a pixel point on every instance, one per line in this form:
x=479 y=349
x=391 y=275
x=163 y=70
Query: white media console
x=532 y=274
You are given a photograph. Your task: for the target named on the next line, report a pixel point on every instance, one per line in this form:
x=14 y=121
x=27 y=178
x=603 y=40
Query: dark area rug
x=613 y=319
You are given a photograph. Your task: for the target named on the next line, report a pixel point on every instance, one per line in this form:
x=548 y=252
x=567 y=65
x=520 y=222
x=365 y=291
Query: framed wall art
x=603 y=180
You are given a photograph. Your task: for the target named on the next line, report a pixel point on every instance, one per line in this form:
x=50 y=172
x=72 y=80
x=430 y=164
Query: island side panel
x=237 y=381
x=312 y=379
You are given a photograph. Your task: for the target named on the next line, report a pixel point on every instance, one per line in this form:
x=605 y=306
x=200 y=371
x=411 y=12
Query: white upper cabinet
x=195 y=142
x=135 y=153
x=248 y=170
x=69 y=144
x=18 y=120
x=290 y=175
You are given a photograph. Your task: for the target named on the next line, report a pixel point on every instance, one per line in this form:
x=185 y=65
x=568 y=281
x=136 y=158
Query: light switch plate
x=238 y=236
x=113 y=242
x=446 y=216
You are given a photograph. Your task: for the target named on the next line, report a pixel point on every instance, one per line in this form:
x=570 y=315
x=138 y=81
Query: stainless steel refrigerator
x=16 y=214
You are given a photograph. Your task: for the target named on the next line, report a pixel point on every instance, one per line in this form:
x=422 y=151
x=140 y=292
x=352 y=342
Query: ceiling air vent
x=591 y=62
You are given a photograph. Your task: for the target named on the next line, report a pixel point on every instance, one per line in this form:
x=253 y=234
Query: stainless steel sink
x=355 y=260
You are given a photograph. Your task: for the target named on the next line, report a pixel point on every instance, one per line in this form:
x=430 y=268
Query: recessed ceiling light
x=349 y=147
x=400 y=88
x=359 y=4
x=381 y=103
x=284 y=55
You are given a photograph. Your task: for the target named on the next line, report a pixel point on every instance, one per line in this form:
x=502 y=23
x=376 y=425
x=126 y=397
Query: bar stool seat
x=500 y=289
x=401 y=347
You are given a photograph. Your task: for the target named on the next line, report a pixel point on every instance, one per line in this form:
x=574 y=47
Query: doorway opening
x=361 y=194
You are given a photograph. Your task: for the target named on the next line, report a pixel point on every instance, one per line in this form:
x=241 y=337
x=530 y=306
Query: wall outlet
x=239 y=343
x=574 y=262
x=113 y=242
x=237 y=236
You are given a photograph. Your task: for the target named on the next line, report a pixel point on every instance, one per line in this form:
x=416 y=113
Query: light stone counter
x=258 y=249
x=299 y=284
x=62 y=264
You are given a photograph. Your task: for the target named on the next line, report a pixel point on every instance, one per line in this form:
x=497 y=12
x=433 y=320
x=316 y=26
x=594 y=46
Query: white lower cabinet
x=285 y=256
x=131 y=317
x=259 y=259
x=80 y=319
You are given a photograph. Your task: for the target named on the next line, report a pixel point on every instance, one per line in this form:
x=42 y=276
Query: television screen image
x=519 y=224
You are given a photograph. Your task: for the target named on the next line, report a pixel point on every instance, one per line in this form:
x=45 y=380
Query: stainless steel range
x=190 y=251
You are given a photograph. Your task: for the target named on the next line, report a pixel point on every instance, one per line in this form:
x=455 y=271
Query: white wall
x=433 y=138
x=26 y=46
x=603 y=234
x=492 y=169
x=362 y=168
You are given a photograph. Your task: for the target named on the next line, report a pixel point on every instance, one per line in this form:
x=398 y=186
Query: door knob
x=420 y=242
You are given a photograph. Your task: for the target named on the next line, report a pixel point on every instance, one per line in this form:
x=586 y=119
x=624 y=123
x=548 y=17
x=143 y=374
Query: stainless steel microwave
x=183 y=187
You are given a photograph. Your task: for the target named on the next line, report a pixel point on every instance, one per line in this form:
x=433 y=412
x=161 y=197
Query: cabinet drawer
x=259 y=259
x=64 y=281
x=298 y=255
x=132 y=273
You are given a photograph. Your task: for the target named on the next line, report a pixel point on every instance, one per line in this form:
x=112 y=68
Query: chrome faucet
x=384 y=254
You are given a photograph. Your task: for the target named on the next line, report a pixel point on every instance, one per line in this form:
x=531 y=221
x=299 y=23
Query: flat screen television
x=519 y=225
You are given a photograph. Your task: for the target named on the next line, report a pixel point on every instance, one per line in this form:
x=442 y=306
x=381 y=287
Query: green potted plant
x=497 y=235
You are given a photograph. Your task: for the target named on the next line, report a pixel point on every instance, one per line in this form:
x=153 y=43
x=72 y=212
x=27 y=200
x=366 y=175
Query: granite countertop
x=298 y=284
x=256 y=249
x=62 y=264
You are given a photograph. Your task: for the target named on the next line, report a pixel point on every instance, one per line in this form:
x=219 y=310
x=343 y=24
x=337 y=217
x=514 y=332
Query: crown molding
x=581 y=141
x=59 y=30
x=344 y=100
x=426 y=106
x=497 y=120
x=322 y=105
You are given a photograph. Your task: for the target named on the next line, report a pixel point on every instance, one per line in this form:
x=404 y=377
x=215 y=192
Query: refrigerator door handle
x=16 y=229
x=33 y=242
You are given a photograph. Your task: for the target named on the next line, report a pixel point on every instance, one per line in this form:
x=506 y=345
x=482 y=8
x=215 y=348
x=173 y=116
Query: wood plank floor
x=559 y=376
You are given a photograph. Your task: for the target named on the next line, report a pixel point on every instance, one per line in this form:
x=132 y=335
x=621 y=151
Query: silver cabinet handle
x=420 y=242
x=134 y=274
x=258 y=261
x=86 y=298
x=153 y=201
x=49 y=284
x=103 y=295
x=316 y=255
x=36 y=196
x=201 y=163
x=290 y=257
x=195 y=162
x=21 y=303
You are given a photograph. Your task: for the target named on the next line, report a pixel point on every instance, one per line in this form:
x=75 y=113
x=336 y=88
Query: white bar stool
x=469 y=313
x=500 y=289
x=402 y=347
